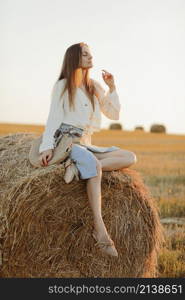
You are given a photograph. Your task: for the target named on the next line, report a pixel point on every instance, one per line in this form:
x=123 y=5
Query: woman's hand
x=45 y=157
x=109 y=79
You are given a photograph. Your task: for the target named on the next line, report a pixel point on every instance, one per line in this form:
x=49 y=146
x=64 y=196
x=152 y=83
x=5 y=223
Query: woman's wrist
x=112 y=88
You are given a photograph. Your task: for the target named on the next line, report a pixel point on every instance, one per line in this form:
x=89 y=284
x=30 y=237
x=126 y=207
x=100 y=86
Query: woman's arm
x=109 y=101
x=54 y=119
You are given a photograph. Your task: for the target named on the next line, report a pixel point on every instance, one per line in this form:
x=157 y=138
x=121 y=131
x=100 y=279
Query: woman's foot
x=105 y=244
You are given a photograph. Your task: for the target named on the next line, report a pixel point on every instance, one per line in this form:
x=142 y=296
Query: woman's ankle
x=100 y=230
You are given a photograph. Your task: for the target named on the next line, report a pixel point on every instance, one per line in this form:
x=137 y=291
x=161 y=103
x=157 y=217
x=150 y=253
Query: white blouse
x=83 y=116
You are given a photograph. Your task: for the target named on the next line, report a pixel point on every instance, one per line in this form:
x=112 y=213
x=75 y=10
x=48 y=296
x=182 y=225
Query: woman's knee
x=130 y=157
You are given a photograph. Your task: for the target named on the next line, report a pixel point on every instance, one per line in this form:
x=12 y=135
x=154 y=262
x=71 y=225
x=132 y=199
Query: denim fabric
x=82 y=155
x=85 y=160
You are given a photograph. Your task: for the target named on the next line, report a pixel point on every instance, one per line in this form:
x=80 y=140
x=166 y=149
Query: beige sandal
x=71 y=171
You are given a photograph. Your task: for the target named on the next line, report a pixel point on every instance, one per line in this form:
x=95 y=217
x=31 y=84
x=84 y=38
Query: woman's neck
x=83 y=78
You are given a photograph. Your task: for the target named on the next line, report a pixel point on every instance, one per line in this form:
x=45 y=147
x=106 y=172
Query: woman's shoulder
x=61 y=82
x=57 y=88
x=58 y=85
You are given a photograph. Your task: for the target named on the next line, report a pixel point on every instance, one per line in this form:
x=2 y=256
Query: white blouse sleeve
x=109 y=102
x=55 y=117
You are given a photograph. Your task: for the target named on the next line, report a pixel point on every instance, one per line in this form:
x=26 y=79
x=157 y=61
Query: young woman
x=76 y=105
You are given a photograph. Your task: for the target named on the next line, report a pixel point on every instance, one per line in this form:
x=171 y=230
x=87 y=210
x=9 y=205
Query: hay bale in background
x=115 y=126
x=158 y=128
x=46 y=225
x=139 y=128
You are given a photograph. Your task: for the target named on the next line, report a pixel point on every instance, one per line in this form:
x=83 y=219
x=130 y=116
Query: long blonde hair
x=73 y=74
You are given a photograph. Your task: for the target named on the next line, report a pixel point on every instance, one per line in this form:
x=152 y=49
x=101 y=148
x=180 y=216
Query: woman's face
x=86 y=58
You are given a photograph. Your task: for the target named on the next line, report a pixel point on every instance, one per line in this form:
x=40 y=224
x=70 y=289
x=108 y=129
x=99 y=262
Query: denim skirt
x=82 y=155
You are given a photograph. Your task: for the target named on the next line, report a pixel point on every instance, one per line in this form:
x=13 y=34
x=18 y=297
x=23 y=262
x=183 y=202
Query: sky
x=140 y=42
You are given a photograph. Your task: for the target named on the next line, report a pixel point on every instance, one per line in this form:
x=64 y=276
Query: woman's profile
x=77 y=102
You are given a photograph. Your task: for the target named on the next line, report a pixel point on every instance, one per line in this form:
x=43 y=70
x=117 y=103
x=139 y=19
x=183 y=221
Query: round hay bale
x=139 y=128
x=115 y=126
x=46 y=225
x=158 y=128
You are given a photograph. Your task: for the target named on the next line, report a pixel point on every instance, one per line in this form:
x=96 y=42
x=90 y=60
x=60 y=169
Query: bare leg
x=94 y=195
x=116 y=160
x=114 y=163
x=105 y=161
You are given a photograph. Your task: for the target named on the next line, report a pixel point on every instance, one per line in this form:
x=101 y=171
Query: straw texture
x=46 y=225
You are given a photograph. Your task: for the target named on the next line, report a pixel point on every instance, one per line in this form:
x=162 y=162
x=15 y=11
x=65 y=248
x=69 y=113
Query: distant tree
x=115 y=126
x=139 y=128
x=158 y=128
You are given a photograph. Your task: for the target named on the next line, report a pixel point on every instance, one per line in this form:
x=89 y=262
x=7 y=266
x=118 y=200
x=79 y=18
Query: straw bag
x=61 y=151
